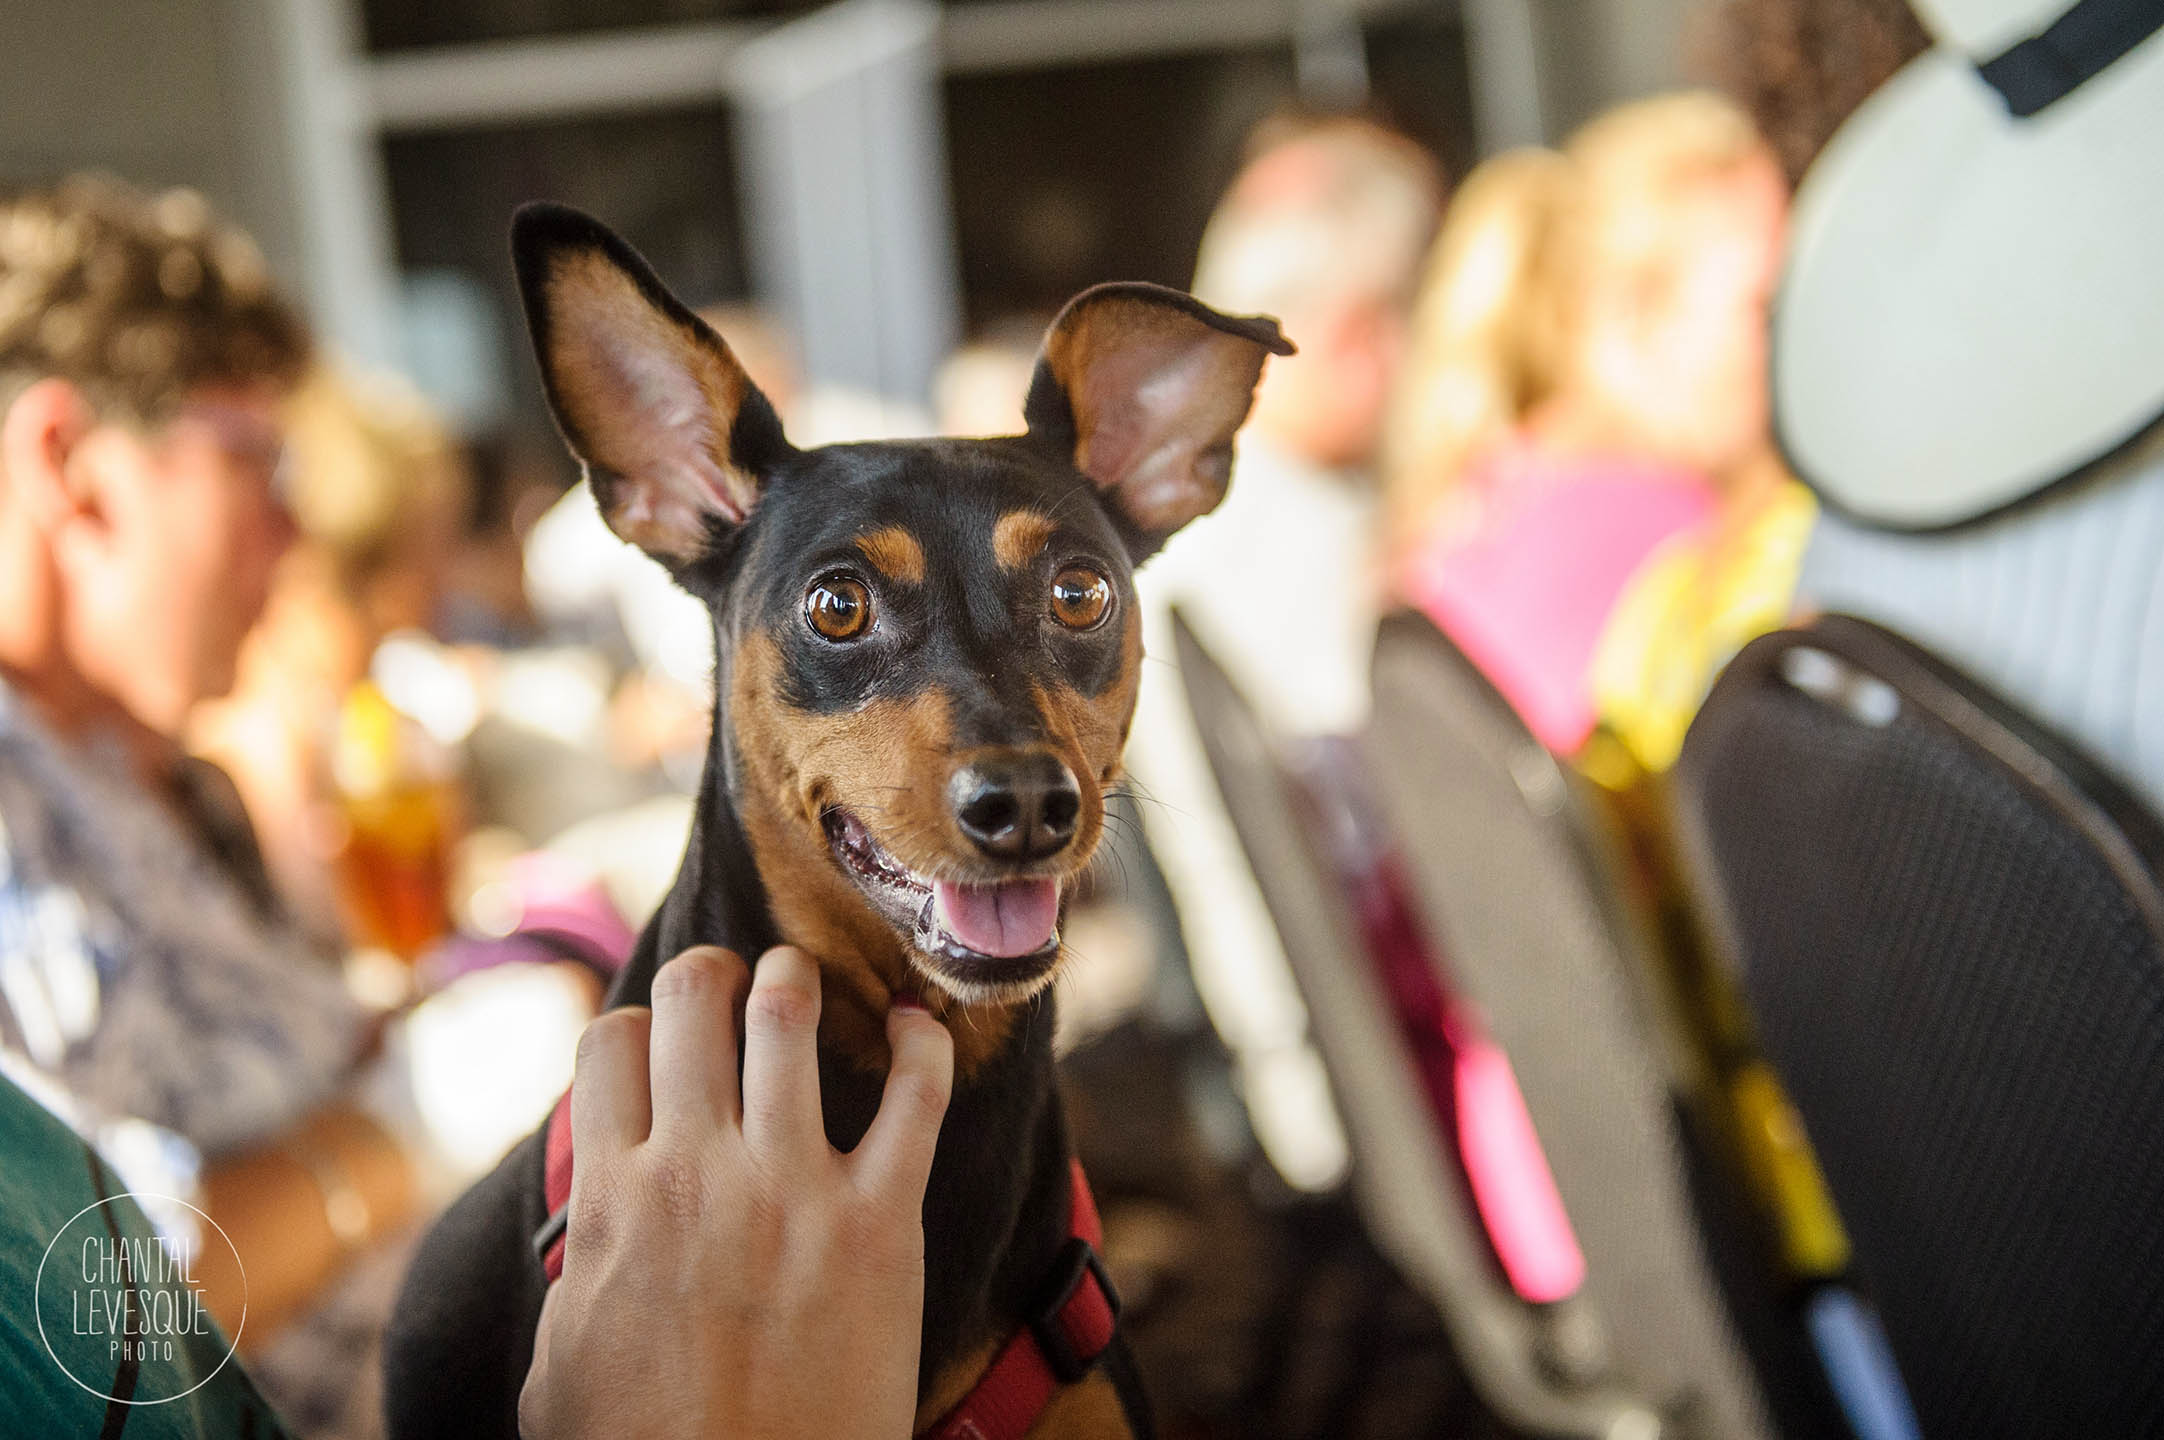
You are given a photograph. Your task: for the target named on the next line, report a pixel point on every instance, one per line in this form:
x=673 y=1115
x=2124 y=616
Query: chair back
x=1516 y=880
x=1950 y=931
x=1406 y=1175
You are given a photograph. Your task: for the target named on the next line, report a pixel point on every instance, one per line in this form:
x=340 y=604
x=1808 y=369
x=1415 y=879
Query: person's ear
x=41 y=440
x=1143 y=388
x=675 y=439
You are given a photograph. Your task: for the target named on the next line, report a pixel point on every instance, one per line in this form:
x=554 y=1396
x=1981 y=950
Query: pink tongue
x=1015 y=918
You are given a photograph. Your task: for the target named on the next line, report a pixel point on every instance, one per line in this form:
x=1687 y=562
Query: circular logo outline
x=37 y=1291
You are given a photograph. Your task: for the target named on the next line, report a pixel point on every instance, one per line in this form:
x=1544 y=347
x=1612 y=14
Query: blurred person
x=485 y=600
x=1481 y=352
x=1589 y=385
x=1324 y=227
x=1585 y=486
x=380 y=484
x=1977 y=398
x=1968 y=370
x=1798 y=69
x=155 y=991
x=1701 y=595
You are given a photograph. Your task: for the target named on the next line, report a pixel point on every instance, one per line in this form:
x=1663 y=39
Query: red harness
x=1065 y=1334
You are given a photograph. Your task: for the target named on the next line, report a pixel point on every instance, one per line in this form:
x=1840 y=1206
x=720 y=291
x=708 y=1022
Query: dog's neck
x=995 y=1212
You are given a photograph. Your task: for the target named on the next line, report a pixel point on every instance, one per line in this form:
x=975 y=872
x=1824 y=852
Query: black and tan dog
x=928 y=654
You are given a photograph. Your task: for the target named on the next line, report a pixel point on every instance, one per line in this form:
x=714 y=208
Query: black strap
x=2080 y=45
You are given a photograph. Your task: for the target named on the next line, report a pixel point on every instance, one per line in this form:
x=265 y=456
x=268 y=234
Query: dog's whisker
x=1141 y=799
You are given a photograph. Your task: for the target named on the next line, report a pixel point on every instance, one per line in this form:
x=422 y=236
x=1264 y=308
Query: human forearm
x=295 y=1208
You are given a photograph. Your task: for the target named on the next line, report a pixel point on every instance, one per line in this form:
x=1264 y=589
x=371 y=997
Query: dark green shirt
x=99 y=1332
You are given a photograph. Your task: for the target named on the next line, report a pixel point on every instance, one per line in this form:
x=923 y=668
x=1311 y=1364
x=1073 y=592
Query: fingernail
x=910 y=1002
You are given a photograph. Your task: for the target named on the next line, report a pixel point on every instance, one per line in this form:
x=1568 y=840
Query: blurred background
x=1406 y=1027
x=466 y=729
x=375 y=150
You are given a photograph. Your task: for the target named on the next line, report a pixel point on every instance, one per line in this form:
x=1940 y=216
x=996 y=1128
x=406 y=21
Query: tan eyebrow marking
x=895 y=552
x=1018 y=536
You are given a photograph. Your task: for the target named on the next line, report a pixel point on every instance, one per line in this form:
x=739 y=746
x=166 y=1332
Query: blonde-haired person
x=1697 y=392
x=1623 y=360
x=1694 y=389
x=1483 y=343
x=1591 y=506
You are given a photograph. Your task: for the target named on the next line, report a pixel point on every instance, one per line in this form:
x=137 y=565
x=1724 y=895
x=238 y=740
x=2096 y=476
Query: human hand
x=729 y=1275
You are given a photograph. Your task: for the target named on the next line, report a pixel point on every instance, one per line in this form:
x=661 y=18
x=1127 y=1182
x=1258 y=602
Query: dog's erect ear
x=675 y=438
x=1145 y=388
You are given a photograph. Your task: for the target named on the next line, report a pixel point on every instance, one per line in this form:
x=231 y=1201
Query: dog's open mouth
x=980 y=939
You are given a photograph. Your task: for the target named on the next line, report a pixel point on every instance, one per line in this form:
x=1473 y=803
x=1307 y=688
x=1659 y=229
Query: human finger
x=781 y=1055
x=693 y=1062
x=611 y=1103
x=896 y=1152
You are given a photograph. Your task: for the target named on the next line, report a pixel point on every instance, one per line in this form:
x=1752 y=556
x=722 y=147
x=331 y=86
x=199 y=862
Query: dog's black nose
x=1020 y=807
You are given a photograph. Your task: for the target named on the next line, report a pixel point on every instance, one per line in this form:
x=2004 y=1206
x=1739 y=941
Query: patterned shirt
x=146 y=970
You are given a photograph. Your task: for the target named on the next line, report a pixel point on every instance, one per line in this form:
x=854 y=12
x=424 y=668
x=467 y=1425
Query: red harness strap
x=1071 y=1325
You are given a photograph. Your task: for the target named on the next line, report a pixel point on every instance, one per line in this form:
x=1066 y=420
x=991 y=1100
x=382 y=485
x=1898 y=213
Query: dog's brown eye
x=839 y=608
x=1080 y=597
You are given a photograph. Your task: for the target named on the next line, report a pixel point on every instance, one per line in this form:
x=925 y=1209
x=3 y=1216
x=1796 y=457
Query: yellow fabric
x=1784 y=1169
x=1695 y=602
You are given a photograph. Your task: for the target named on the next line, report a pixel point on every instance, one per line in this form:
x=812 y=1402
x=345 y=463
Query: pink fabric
x=1527 y=595
x=1472 y=1090
x=1510 y=1179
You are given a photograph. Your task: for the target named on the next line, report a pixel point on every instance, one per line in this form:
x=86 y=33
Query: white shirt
x=1279 y=584
x=2059 y=606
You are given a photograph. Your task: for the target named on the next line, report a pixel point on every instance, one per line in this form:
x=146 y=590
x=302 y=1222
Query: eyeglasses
x=248 y=440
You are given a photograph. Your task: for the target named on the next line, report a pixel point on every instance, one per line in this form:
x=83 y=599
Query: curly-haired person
x=154 y=992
